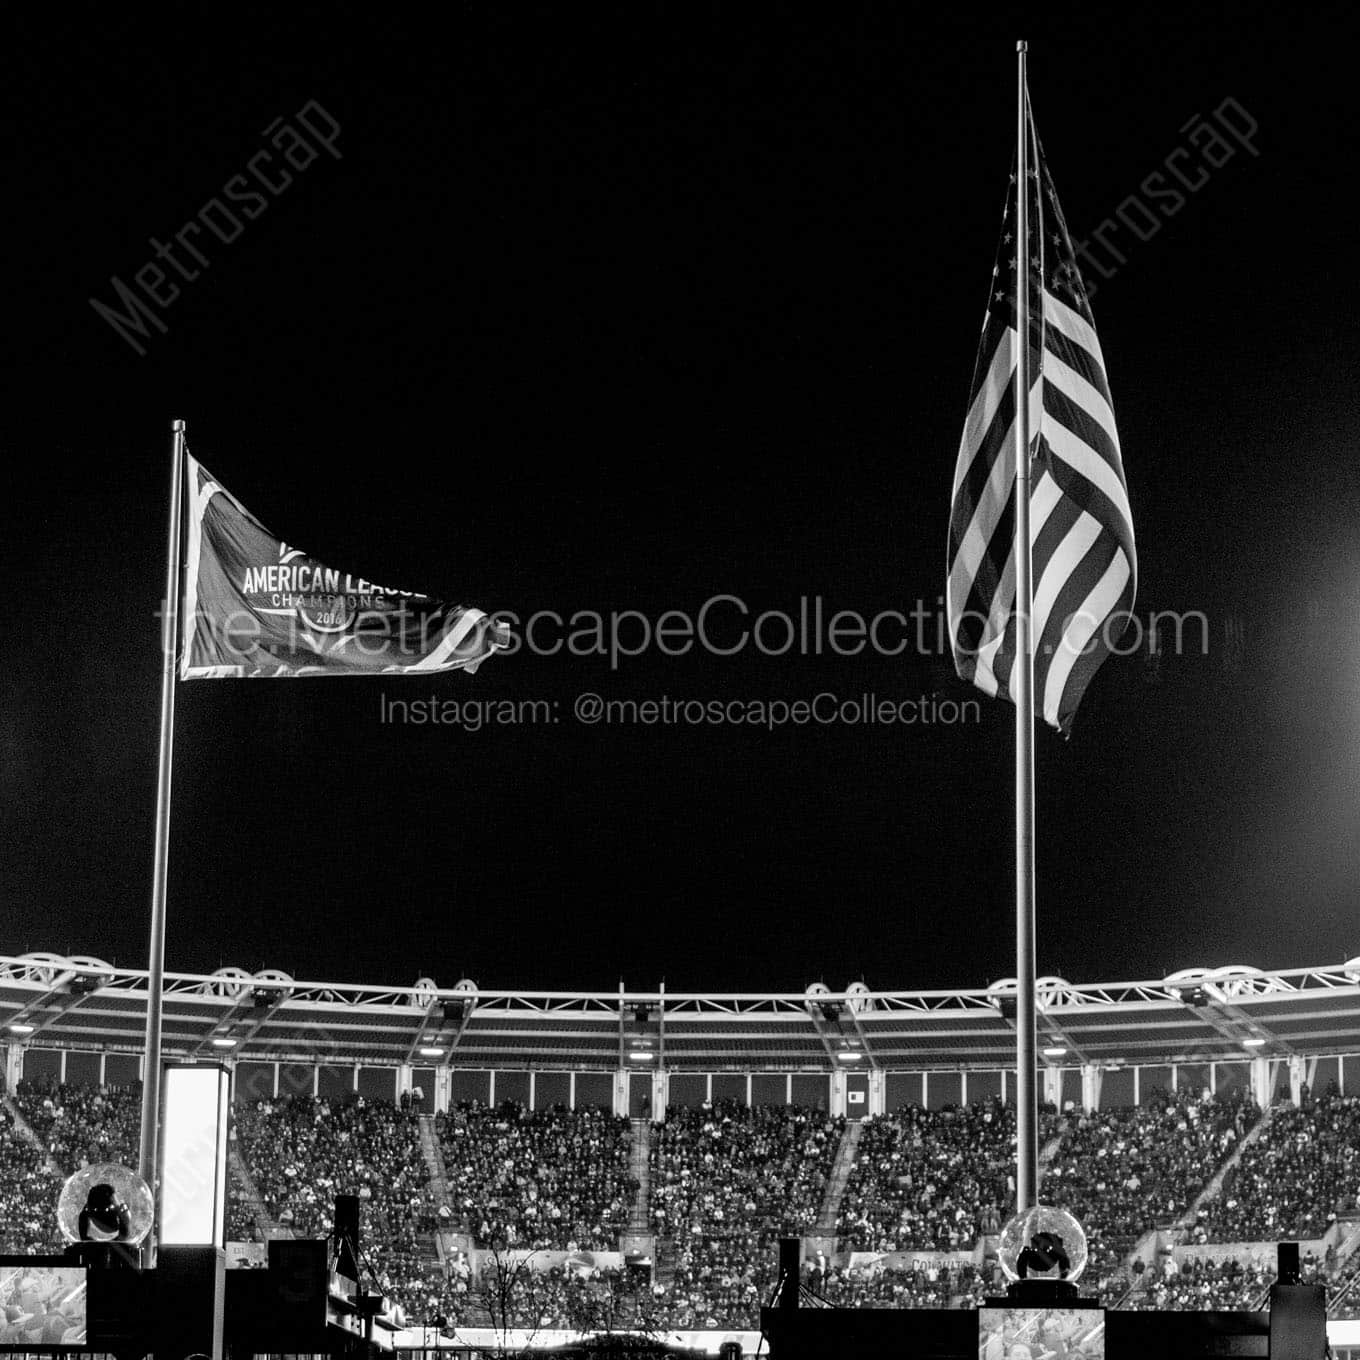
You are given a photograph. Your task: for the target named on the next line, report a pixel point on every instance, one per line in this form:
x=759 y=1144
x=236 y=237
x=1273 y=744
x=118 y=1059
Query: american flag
x=1081 y=529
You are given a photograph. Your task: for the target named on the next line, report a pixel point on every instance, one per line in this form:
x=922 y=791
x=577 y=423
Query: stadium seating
x=301 y=1152
x=1294 y=1179
x=28 y=1193
x=921 y=1286
x=82 y=1125
x=1124 y=1172
x=726 y=1166
x=927 y=1179
x=1202 y=1285
x=541 y=1179
x=725 y=1182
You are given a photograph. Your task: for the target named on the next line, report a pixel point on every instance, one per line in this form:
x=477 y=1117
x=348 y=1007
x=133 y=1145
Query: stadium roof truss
x=1195 y=1016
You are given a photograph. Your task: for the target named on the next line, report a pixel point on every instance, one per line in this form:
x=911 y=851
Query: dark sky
x=619 y=308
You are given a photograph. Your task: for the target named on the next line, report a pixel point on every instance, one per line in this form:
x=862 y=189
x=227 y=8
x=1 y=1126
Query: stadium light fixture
x=849 y=1055
x=1055 y=1051
x=640 y=1055
x=1253 y=1043
x=222 y=1041
x=20 y=1028
x=431 y=1051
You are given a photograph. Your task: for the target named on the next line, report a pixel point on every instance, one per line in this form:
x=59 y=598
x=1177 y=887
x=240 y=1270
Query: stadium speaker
x=283 y=1308
x=1298 y=1322
x=1287 y=1263
x=347 y=1236
x=790 y=1252
x=297 y=1269
x=190 y=1289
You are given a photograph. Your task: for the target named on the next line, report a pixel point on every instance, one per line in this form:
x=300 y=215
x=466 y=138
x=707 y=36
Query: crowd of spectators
x=28 y=1193
x=1292 y=1181
x=538 y=1178
x=726 y=1181
x=1199 y=1285
x=923 y=1284
x=1343 y=1290
x=602 y=1300
x=720 y=1280
x=725 y=1169
x=84 y=1125
x=302 y=1152
x=1124 y=1171
x=928 y=1180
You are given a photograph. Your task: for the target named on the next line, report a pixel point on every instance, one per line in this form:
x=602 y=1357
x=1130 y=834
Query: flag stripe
x=1084 y=565
x=995 y=389
x=1099 y=606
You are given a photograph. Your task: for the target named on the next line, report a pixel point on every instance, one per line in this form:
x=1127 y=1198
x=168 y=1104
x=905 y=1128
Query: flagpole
x=1026 y=1105
x=151 y=1079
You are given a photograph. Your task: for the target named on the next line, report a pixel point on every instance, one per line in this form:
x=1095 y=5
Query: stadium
x=559 y=1162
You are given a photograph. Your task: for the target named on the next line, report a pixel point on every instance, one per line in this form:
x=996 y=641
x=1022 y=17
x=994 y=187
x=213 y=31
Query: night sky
x=611 y=308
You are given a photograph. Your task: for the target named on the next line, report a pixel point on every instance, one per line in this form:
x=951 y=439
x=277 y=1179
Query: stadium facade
x=854 y=1052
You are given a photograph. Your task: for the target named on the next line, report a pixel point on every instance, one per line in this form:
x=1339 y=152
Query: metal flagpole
x=151 y=1079
x=1026 y=1106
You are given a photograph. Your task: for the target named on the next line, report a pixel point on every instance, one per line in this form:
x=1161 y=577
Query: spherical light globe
x=1022 y=1229
x=128 y=1188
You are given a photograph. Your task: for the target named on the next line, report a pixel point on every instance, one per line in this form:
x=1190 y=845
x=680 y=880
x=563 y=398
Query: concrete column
x=1053 y=1086
x=878 y=1092
x=838 y=1094
x=621 y=1094
x=1260 y=1081
x=1298 y=1074
x=14 y=1067
x=443 y=1086
x=1091 y=1077
x=661 y=1086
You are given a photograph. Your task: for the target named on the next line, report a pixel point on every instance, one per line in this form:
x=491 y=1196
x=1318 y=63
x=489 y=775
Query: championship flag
x=1081 y=528
x=254 y=606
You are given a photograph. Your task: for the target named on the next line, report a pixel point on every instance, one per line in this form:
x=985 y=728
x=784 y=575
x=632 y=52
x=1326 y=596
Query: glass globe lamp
x=1042 y=1243
x=128 y=1188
